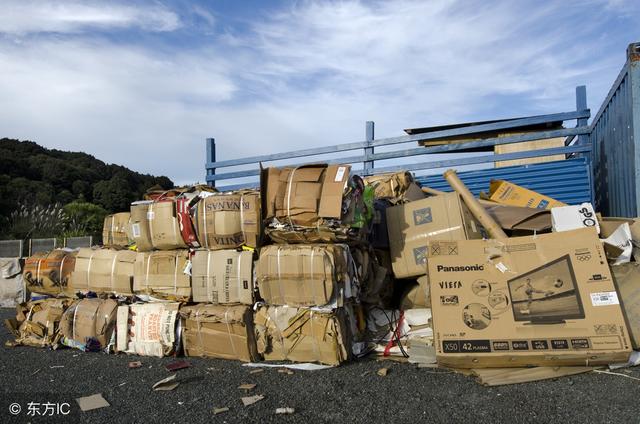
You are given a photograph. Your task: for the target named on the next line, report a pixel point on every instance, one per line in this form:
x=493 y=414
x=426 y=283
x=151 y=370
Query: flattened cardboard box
x=164 y=225
x=222 y=276
x=303 y=275
x=412 y=225
x=507 y=193
x=115 y=231
x=37 y=323
x=284 y=333
x=227 y=221
x=48 y=273
x=162 y=274
x=547 y=300
x=139 y=226
x=89 y=320
x=103 y=271
x=148 y=329
x=215 y=331
x=627 y=277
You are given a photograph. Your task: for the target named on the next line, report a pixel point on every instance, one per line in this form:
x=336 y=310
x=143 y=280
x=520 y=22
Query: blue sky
x=144 y=83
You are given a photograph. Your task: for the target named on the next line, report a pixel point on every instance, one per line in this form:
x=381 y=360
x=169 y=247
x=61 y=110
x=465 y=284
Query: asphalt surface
x=350 y=393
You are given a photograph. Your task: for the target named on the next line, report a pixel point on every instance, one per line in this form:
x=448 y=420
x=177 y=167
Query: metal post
x=211 y=157
x=581 y=104
x=370 y=136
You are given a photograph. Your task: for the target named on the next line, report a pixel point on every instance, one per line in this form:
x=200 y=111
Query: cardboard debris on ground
x=177 y=365
x=548 y=300
x=382 y=372
x=217 y=411
x=259 y=370
x=37 y=322
x=250 y=400
x=166 y=384
x=285 y=411
x=89 y=403
x=135 y=364
x=504 y=376
x=247 y=386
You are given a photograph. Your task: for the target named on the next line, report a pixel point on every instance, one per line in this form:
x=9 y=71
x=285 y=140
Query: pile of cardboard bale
x=321 y=265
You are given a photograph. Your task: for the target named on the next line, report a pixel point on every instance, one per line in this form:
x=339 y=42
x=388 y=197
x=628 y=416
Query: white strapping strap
x=146 y=278
x=44 y=339
x=285 y=354
x=239 y=281
x=174 y=203
x=60 y=271
x=280 y=283
x=313 y=283
x=38 y=271
x=209 y=292
x=242 y=217
x=226 y=320
x=175 y=274
x=293 y=171
x=204 y=222
x=150 y=221
x=73 y=324
x=113 y=268
x=111 y=235
x=89 y=270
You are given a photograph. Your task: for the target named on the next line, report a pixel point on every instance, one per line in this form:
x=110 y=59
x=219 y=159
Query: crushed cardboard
x=48 y=273
x=106 y=271
x=162 y=274
x=222 y=277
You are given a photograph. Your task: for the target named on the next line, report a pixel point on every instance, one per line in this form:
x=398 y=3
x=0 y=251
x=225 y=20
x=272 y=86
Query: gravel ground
x=350 y=393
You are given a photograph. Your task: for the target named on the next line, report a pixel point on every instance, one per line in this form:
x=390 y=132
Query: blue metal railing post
x=369 y=136
x=581 y=104
x=211 y=157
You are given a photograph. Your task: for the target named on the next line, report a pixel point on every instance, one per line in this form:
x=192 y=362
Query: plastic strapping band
x=73 y=324
x=113 y=268
x=293 y=171
x=38 y=271
x=204 y=222
x=111 y=235
x=175 y=274
x=89 y=271
x=233 y=346
x=280 y=283
x=313 y=283
x=60 y=271
x=175 y=222
x=314 y=342
x=44 y=339
x=150 y=221
x=242 y=218
x=209 y=293
x=146 y=278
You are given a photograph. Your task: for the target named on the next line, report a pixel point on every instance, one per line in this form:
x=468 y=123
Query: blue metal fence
x=615 y=137
x=370 y=160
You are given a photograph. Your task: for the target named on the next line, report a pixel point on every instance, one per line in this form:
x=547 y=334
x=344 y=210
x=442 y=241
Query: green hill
x=71 y=188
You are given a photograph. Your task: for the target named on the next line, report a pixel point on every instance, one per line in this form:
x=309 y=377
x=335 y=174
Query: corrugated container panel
x=568 y=181
x=615 y=135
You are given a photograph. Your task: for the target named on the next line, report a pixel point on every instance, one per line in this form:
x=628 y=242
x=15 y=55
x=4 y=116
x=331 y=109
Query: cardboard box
x=228 y=221
x=547 y=300
x=222 y=276
x=148 y=329
x=627 y=278
x=518 y=219
x=115 y=231
x=303 y=195
x=139 y=226
x=37 y=323
x=512 y=194
x=285 y=333
x=224 y=332
x=412 y=225
x=103 y=271
x=164 y=225
x=305 y=275
x=88 y=324
x=48 y=273
x=565 y=218
x=162 y=274
x=417 y=295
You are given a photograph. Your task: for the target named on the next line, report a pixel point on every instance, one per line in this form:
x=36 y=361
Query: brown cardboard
x=412 y=225
x=303 y=195
x=224 y=332
x=627 y=278
x=115 y=231
x=139 y=226
x=519 y=218
x=164 y=226
x=512 y=194
x=302 y=274
x=547 y=300
x=86 y=319
x=161 y=274
x=148 y=329
x=37 y=322
x=302 y=335
x=228 y=221
x=417 y=295
x=103 y=271
x=391 y=185
x=48 y=273
x=222 y=276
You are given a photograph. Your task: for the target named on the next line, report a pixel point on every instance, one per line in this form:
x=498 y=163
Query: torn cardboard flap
x=222 y=277
x=38 y=322
x=148 y=329
x=219 y=332
x=554 y=303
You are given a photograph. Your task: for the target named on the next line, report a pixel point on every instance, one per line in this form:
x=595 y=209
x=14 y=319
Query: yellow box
x=507 y=193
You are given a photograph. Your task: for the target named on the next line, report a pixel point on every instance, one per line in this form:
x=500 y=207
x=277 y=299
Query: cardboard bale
x=314 y=203
x=162 y=274
x=48 y=273
x=627 y=278
x=148 y=329
x=228 y=220
x=215 y=331
x=88 y=324
x=305 y=274
x=222 y=276
x=115 y=231
x=139 y=226
x=12 y=291
x=391 y=186
x=37 y=323
x=547 y=300
x=507 y=193
x=164 y=225
x=412 y=225
x=103 y=271
x=285 y=333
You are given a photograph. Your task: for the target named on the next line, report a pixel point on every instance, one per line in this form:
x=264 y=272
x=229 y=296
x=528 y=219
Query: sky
x=143 y=84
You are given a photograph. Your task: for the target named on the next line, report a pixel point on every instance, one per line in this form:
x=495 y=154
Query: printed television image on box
x=547 y=294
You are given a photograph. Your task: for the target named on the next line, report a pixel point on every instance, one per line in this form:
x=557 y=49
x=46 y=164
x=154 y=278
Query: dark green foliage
x=32 y=176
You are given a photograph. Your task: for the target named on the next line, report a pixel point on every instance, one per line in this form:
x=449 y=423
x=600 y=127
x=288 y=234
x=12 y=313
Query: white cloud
x=308 y=75
x=21 y=17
